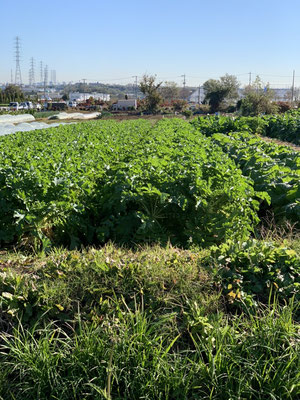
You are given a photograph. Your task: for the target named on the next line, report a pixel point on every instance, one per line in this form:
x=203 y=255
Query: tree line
x=219 y=95
x=11 y=93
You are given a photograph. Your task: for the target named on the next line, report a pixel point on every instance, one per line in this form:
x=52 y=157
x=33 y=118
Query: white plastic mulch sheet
x=7 y=128
x=16 y=119
x=64 y=115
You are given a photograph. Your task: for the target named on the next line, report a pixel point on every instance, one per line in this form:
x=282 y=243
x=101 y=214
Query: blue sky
x=111 y=41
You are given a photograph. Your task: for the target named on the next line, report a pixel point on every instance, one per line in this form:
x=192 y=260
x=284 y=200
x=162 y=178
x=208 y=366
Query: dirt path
x=280 y=142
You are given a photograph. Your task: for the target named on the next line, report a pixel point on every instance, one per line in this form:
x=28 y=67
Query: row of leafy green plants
x=285 y=127
x=134 y=183
x=127 y=182
x=273 y=169
x=131 y=182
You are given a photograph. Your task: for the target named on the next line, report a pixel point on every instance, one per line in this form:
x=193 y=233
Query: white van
x=23 y=106
x=14 y=106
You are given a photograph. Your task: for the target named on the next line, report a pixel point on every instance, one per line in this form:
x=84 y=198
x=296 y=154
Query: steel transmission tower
x=46 y=76
x=53 y=77
x=41 y=72
x=18 y=76
x=45 y=80
x=31 y=73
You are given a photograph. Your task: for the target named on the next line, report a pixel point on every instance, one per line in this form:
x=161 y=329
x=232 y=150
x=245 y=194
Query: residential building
x=81 y=97
x=124 y=105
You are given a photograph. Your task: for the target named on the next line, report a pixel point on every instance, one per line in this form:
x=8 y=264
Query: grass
x=285 y=233
x=45 y=114
x=135 y=355
x=149 y=324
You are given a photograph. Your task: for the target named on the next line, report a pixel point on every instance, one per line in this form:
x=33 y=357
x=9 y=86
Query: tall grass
x=149 y=324
x=136 y=355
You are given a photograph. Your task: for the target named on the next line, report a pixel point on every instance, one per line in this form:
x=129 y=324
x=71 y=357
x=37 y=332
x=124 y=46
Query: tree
x=169 y=91
x=65 y=97
x=179 y=104
x=257 y=100
x=12 y=93
x=151 y=90
x=185 y=92
x=224 y=90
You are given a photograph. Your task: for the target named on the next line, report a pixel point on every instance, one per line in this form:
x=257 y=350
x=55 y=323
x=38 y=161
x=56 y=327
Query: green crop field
x=127 y=182
x=285 y=127
x=137 y=260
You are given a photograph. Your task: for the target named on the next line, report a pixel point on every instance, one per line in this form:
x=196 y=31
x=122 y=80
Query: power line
x=110 y=79
x=185 y=76
x=275 y=76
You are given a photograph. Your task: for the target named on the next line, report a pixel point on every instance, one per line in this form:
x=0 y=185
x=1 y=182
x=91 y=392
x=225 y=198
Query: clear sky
x=111 y=41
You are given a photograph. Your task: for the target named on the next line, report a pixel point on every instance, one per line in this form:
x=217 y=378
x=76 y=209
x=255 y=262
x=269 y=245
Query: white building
x=197 y=96
x=126 y=104
x=81 y=97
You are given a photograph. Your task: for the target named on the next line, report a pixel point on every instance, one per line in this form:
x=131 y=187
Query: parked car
x=57 y=106
x=14 y=106
x=72 y=104
x=37 y=106
x=29 y=105
x=23 y=106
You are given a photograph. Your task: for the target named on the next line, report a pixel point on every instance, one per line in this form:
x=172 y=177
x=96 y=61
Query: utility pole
x=11 y=77
x=184 y=83
x=293 y=86
x=84 y=87
x=199 y=92
x=249 y=78
x=135 y=89
x=18 y=77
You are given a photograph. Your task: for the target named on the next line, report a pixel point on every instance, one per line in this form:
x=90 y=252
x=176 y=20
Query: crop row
x=128 y=182
x=273 y=168
x=284 y=127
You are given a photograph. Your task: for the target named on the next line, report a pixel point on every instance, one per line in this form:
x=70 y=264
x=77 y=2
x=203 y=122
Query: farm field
x=284 y=127
x=138 y=260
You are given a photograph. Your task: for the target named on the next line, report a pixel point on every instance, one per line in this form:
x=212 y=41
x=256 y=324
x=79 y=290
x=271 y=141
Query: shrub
x=187 y=113
x=250 y=270
x=283 y=106
x=179 y=105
